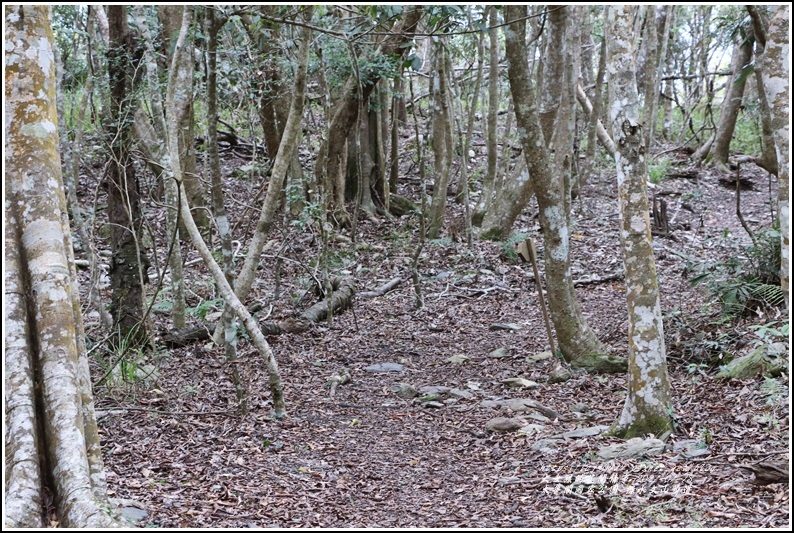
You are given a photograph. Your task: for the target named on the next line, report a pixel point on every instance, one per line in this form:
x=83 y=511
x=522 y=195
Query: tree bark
x=775 y=70
x=129 y=263
x=51 y=439
x=577 y=342
x=171 y=18
x=729 y=114
x=648 y=406
x=330 y=166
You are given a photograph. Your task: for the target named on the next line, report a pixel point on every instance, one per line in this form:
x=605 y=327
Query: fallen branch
x=382 y=290
x=341 y=298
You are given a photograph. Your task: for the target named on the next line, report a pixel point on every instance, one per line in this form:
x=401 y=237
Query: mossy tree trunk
x=648 y=406
x=577 y=341
x=129 y=263
x=51 y=438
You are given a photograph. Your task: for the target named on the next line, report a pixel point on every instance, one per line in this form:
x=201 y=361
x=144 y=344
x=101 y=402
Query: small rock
x=433 y=404
x=491 y=404
x=691 y=448
x=504 y=425
x=457 y=359
x=512 y=480
x=580 y=408
x=530 y=429
x=460 y=393
x=545 y=446
x=404 y=390
x=636 y=447
x=444 y=274
x=538 y=417
x=384 y=367
x=133 y=515
x=434 y=389
x=581 y=433
x=559 y=375
x=429 y=398
x=499 y=353
x=539 y=357
x=520 y=383
x=505 y=327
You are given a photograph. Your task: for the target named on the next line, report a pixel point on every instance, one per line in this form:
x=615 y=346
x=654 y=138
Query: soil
x=367 y=456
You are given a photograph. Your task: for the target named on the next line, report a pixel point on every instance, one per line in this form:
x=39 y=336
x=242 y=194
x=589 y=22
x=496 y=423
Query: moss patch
x=647 y=425
x=599 y=363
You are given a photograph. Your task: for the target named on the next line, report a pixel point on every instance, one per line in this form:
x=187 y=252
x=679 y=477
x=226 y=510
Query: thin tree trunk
x=648 y=406
x=245 y=278
x=742 y=53
x=493 y=109
x=442 y=143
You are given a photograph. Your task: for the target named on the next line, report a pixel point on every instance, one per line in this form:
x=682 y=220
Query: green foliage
x=745 y=281
x=658 y=170
x=205 y=307
x=509 y=246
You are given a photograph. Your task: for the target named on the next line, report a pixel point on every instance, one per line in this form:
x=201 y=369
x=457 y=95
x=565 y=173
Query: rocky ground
x=411 y=440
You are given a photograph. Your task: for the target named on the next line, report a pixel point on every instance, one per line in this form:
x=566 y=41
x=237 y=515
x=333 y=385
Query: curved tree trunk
x=578 y=343
x=648 y=406
x=52 y=444
x=245 y=278
x=729 y=114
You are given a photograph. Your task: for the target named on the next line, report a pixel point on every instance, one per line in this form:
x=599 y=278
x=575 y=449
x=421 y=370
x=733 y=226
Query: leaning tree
x=51 y=438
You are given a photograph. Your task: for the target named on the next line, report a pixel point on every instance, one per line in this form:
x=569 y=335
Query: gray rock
x=460 y=393
x=539 y=357
x=580 y=408
x=538 y=417
x=384 y=367
x=434 y=389
x=491 y=404
x=429 y=397
x=531 y=429
x=560 y=375
x=545 y=446
x=133 y=515
x=404 y=390
x=458 y=359
x=433 y=404
x=691 y=448
x=520 y=383
x=500 y=353
x=636 y=447
x=505 y=327
x=504 y=425
x=581 y=433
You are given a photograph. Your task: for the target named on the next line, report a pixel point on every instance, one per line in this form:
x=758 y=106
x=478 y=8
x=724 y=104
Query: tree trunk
x=171 y=18
x=775 y=70
x=493 y=108
x=442 y=143
x=245 y=278
x=577 y=341
x=52 y=443
x=150 y=132
x=129 y=263
x=648 y=406
x=330 y=164
x=742 y=53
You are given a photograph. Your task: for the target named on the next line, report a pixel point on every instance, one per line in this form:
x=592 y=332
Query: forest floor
x=371 y=455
